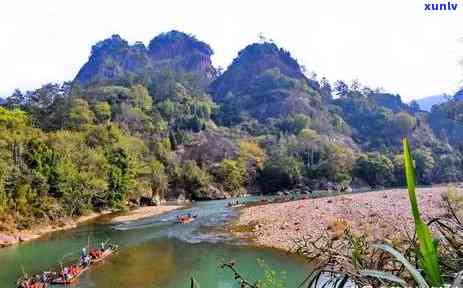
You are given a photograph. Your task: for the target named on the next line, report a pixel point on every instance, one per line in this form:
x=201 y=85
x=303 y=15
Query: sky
x=393 y=44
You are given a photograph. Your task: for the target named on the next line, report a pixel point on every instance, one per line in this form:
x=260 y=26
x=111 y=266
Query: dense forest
x=162 y=122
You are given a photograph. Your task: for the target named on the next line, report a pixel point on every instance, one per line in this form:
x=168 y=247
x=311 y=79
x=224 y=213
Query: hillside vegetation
x=162 y=122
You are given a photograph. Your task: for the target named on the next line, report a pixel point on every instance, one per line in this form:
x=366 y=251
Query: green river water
x=154 y=252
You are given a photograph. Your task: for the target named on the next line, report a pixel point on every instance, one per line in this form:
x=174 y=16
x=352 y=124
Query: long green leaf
x=194 y=283
x=410 y=268
x=384 y=276
x=343 y=282
x=427 y=250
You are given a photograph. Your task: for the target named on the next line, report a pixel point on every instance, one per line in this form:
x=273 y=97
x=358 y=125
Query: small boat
x=98 y=256
x=31 y=283
x=235 y=204
x=68 y=274
x=72 y=278
x=185 y=219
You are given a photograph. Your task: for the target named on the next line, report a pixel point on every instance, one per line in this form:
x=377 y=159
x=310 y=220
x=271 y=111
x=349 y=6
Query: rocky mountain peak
x=263 y=56
x=113 y=60
x=252 y=63
x=112 y=44
x=265 y=81
x=174 y=43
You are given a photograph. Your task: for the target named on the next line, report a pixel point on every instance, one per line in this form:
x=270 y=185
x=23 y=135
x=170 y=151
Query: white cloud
x=394 y=44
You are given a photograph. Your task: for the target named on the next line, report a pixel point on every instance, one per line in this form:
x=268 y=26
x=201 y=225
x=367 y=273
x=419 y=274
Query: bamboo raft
x=57 y=278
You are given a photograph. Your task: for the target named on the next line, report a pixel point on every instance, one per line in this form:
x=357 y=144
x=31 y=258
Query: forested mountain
x=263 y=82
x=160 y=121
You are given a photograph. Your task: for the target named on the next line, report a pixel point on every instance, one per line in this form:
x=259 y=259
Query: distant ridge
x=427 y=102
x=459 y=95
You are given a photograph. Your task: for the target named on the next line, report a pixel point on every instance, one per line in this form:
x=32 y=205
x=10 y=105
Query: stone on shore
x=378 y=215
x=7 y=240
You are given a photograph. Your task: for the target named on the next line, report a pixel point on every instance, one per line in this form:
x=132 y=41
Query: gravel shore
x=379 y=215
x=144 y=212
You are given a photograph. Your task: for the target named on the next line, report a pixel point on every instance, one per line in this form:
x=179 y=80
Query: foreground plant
x=421 y=263
x=428 y=256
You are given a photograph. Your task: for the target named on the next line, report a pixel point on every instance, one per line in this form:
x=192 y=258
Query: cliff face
x=182 y=52
x=265 y=81
x=114 y=61
x=459 y=95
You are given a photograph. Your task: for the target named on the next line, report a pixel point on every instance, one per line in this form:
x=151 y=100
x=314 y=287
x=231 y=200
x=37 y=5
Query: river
x=154 y=252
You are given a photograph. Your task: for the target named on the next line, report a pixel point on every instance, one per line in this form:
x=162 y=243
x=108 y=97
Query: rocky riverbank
x=145 y=212
x=8 y=239
x=378 y=215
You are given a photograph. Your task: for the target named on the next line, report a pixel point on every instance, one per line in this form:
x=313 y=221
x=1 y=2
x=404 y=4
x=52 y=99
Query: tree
x=42 y=162
x=16 y=100
x=140 y=98
x=194 y=180
x=232 y=175
x=14 y=130
x=424 y=165
x=159 y=181
x=74 y=188
x=415 y=107
x=121 y=178
x=399 y=174
x=280 y=172
x=294 y=124
x=375 y=169
x=341 y=88
x=103 y=111
x=404 y=122
x=80 y=114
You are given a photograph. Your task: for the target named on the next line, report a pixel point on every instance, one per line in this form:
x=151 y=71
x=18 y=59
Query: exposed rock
x=265 y=81
x=23 y=237
x=209 y=147
x=182 y=52
x=459 y=95
x=147 y=201
x=7 y=240
x=114 y=61
x=347 y=189
x=214 y=193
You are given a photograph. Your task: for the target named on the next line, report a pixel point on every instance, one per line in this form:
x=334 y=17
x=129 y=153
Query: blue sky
x=394 y=44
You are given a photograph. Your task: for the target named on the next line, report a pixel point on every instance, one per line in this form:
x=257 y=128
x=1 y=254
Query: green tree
x=232 y=175
x=424 y=165
x=194 y=180
x=280 y=172
x=295 y=124
x=375 y=169
x=404 y=122
x=103 y=111
x=140 y=98
x=121 y=178
x=80 y=114
x=159 y=181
